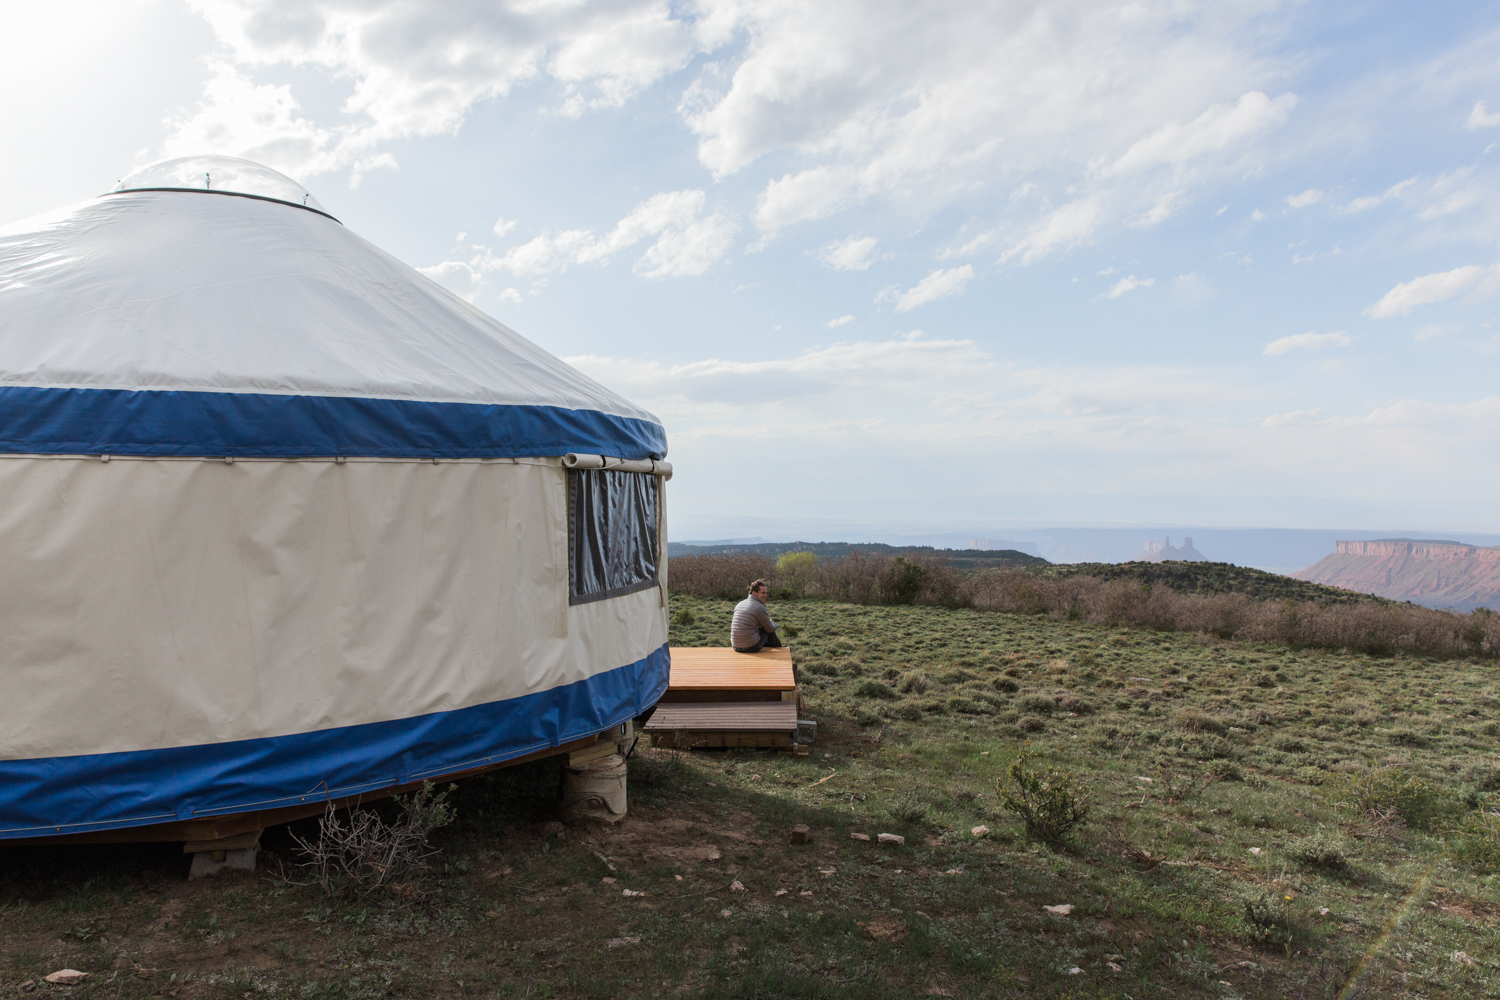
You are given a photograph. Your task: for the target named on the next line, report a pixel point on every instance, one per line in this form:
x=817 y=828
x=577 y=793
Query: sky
x=885 y=267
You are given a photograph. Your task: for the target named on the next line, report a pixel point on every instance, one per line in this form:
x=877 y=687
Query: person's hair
x=759 y=584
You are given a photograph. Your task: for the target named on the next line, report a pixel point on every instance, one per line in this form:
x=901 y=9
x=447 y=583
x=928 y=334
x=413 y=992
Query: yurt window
x=612 y=534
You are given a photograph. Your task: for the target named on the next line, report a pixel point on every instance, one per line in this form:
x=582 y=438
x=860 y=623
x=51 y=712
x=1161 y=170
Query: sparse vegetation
x=1263 y=836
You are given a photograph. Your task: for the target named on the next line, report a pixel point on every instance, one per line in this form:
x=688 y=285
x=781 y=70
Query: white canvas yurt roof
x=301 y=338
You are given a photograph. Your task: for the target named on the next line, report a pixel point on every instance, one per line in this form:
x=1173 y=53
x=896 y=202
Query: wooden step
x=723 y=724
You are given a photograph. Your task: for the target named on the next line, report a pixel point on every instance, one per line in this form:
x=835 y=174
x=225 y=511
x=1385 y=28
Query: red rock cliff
x=1437 y=574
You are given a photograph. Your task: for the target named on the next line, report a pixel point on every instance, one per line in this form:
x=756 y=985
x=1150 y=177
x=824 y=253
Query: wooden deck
x=716 y=674
x=719 y=698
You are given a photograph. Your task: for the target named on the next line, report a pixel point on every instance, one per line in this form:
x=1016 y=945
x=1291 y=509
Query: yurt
x=282 y=521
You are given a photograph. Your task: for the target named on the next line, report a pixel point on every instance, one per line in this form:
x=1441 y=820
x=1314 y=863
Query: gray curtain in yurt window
x=612 y=534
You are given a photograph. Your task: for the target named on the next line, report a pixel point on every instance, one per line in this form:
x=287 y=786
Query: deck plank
x=738 y=716
x=722 y=669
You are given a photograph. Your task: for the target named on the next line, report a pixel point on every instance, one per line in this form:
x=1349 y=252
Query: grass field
x=1263 y=823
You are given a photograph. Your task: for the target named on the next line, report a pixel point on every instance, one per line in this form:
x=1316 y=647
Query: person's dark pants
x=772 y=641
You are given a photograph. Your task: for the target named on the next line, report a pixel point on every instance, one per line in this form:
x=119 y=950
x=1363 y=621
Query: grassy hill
x=1262 y=823
x=1213 y=578
x=960 y=559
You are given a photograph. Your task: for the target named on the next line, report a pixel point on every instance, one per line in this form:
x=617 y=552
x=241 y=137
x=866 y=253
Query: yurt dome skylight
x=221 y=175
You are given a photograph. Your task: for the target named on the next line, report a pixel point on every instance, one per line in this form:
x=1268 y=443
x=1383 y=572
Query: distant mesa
x=1162 y=551
x=1438 y=574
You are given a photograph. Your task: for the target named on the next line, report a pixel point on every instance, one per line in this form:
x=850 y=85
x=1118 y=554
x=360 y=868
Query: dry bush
x=723 y=576
x=359 y=853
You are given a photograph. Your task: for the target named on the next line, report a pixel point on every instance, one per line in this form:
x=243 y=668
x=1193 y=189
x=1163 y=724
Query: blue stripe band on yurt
x=62 y=795
x=183 y=424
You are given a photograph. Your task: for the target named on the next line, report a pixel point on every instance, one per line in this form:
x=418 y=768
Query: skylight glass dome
x=224 y=174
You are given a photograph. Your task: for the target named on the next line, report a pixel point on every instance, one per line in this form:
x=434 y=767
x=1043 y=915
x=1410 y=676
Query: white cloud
x=1368 y=202
x=1481 y=117
x=1129 y=284
x=1307 y=342
x=510 y=295
x=1221 y=126
x=884 y=98
x=263 y=122
x=1258 y=215
x=459 y=277
x=1296 y=418
x=417 y=70
x=1309 y=197
x=812 y=194
x=1159 y=212
x=1069 y=226
x=1430 y=288
x=686 y=242
x=504 y=226
x=841 y=321
x=852 y=254
x=939 y=284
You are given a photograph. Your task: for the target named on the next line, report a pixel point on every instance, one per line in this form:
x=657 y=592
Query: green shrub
x=1197 y=722
x=1226 y=770
x=1030 y=724
x=1051 y=805
x=1076 y=705
x=1384 y=791
x=910 y=711
x=1475 y=839
x=1320 y=850
x=1483 y=777
x=909 y=806
x=797 y=570
x=903 y=581
x=912 y=682
x=1270 y=922
x=684 y=617
x=876 y=689
x=1289 y=744
x=1406 y=738
x=1037 y=704
x=1005 y=685
x=966 y=706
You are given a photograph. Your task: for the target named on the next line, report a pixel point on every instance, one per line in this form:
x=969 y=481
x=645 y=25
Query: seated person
x=752 y=629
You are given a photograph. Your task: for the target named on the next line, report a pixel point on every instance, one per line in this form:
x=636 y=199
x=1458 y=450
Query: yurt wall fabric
x=191 y=637
x=282 y=520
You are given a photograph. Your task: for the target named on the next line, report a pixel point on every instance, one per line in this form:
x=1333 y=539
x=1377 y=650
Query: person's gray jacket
x=751 y=624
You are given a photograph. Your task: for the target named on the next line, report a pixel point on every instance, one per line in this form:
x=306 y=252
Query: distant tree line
x=1298 y=615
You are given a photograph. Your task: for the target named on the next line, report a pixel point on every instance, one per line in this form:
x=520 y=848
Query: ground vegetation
x=1247 y=820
